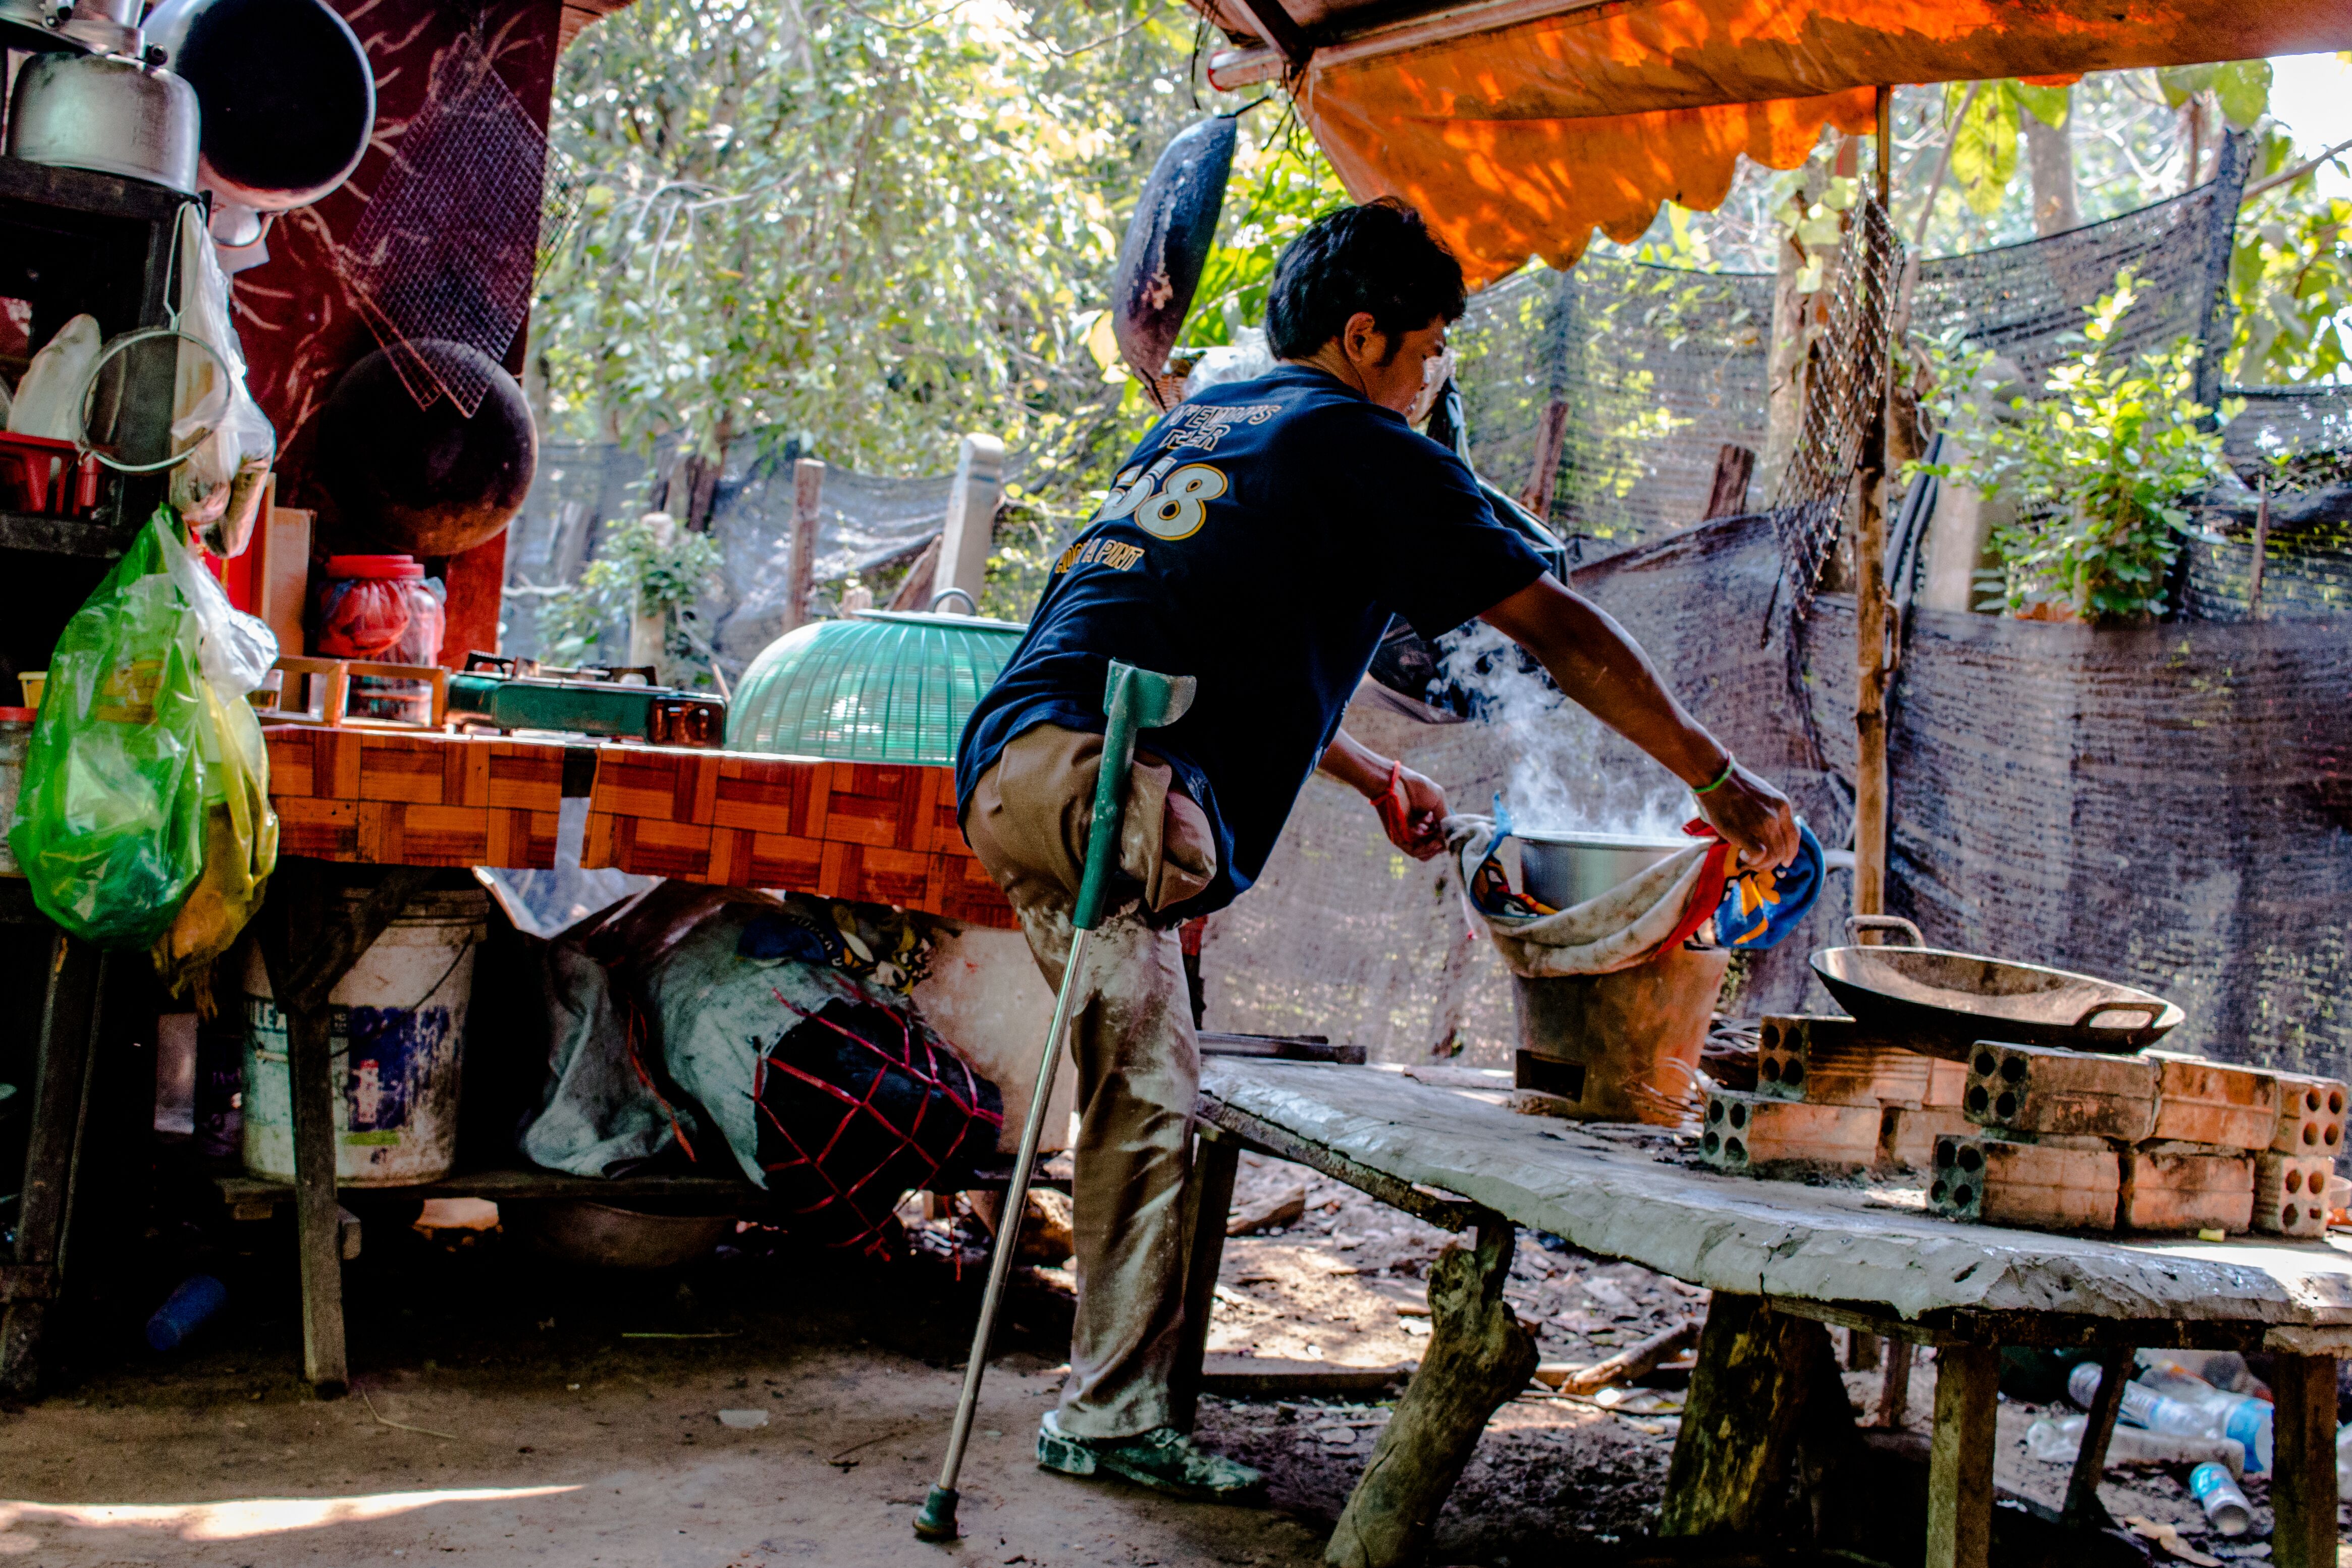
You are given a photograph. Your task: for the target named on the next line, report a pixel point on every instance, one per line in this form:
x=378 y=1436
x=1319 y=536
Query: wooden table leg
x=2303 y=1488
x=1478 y=1356
x=1209 y=1201
x=2084 y=1510
x=1742 y=1418
x=318 y=1216
x=1960 y=1461
x=69 y=1020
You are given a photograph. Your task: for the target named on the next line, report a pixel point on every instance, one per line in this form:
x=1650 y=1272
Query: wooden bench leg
x=1478 y=1356
x=70 y=1017
x=2084 y=1510
x=1210 y=1199
x=1743 y=1416
x=2303 y=1489
x=1959 y=1459
x=318 y=1217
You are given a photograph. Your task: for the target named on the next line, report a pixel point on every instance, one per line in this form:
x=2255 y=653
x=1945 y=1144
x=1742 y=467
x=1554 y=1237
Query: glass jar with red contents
x=384 y=609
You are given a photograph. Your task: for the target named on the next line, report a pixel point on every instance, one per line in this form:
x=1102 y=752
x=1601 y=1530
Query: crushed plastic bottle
x=2057 y=1441
x=2225 y=1505
x=2194 y=1408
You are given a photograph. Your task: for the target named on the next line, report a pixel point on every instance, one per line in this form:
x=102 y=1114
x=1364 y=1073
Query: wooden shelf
x=89 y=537
x=511 y=1184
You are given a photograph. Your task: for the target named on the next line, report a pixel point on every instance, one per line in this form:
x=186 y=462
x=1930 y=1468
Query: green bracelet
x=1730 y=766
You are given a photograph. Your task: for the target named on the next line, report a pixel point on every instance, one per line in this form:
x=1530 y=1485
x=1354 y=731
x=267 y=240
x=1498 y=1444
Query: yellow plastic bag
x=241 y=849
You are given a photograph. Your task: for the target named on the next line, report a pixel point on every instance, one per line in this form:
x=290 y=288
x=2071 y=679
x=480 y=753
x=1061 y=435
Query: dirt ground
x=508 y=1411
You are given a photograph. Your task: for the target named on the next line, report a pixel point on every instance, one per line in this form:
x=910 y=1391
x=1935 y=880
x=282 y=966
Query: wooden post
x=1478 y=1356
x=2084 y=1510
x=1743 y=1416
x=1726 y=496
x=1208 y=1198
x=808 y=496
x=1893 y=1385
x=2262 y=549
x=971 y=519
x=2303 y=1489
x=1543 y=476
x=1959 y=1459
x=70 y=1021
x=1870 y=783
x=306 y=953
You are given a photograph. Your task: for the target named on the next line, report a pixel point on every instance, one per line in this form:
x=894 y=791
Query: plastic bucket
x=397 y=1028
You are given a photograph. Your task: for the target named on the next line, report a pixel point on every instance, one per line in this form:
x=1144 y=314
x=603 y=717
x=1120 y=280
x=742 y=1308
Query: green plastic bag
x=144 y=705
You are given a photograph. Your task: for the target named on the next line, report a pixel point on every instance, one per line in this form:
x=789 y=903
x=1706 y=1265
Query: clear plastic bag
x=218 y=489
x=146 y=772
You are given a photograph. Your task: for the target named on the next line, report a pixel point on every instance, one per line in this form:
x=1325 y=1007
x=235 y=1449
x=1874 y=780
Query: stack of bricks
x=1831 y=1094
x=414 y=797
x=2067 y=1140
x=871 y=833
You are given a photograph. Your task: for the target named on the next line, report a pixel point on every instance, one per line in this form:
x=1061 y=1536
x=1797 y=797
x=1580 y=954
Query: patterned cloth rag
x=1639 y=919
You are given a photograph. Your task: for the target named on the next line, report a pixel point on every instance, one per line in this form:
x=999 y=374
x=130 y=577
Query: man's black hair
x=1378 y=257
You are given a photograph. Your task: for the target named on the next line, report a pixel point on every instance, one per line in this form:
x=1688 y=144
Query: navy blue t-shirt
x=1259 y=538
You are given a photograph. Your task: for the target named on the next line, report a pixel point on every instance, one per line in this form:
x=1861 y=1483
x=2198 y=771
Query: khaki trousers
x=1138 y=1064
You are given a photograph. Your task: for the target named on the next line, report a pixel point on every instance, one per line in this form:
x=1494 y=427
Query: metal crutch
x=1133 y=700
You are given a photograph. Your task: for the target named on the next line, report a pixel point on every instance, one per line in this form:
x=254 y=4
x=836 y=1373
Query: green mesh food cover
x=878 y=686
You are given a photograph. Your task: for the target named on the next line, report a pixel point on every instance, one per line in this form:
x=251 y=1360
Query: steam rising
x=1568 y=774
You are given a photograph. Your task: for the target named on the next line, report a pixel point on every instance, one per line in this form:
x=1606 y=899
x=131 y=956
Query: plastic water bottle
x=2187 y=1411
x=2225 y=1505
x=2344 y=1460
x=184 y=1310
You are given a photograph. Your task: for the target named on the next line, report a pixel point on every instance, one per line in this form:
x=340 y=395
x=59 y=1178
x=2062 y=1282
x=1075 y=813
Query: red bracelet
x=1395 y=813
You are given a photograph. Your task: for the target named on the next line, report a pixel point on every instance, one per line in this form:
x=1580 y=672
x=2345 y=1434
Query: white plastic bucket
x=397 y=1028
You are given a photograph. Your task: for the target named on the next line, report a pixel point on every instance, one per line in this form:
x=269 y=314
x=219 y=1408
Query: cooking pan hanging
x=1948 y=1000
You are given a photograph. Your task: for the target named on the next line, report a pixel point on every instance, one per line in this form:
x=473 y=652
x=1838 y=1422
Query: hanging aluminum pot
x=107 y=112
x=289 y=103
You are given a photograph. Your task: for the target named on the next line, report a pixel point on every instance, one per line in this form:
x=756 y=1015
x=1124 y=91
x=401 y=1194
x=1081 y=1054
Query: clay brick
x=1832 y=1066
x=2291 y=1193
x=2215 y=1102
x=1742 y=1133
x=1906 y=1135
x=2072 y=1185
x=2042 y=1089
x=2310 y=1117
x=2171 y=1189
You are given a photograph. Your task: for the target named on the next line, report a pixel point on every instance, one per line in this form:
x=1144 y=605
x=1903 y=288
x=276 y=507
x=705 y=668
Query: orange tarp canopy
x=1520 y=139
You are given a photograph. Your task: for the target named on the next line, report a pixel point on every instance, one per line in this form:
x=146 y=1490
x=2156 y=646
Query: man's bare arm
x=1604 y=670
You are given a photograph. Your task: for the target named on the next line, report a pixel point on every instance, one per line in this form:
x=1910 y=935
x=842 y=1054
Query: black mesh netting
x=864 y=521
x=1648 y=370
x=858 y=1105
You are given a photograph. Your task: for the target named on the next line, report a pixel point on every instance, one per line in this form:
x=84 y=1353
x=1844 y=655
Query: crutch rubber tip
x=936 y=1520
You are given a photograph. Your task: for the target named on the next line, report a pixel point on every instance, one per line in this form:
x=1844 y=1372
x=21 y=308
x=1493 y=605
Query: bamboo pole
x=1870 y=781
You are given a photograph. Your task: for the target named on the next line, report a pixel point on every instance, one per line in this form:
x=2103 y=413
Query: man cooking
x=1259 y=538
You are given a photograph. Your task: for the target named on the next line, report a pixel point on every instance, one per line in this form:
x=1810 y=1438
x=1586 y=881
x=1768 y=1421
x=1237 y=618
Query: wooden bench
x=1783 y=1260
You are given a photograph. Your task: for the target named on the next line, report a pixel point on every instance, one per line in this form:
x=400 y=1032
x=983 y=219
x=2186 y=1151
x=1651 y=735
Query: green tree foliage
x=810 y=218
x=2103 y=469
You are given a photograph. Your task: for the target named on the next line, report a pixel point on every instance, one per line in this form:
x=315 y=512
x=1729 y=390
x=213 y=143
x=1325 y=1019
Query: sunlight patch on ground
x=239 y=1518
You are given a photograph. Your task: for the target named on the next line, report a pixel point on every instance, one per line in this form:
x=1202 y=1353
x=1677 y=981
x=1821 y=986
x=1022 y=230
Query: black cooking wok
x=1954 y=999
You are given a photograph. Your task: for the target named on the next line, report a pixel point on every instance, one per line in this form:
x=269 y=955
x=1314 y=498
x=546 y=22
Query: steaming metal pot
x=107 y=112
